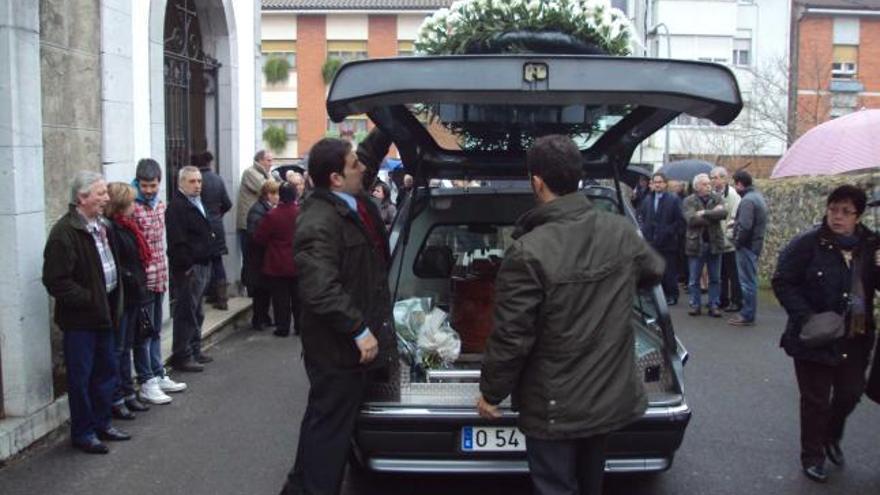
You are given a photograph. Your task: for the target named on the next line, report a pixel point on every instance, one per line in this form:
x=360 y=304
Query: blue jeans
x=124 y=340
x=695 y=270
x=148 y=354
x=747 y=269
x=91 y=380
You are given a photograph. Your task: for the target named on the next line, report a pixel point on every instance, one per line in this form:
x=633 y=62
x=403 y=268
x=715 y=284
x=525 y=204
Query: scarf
x=144 y=251
x=152 y=203
x=854 y=259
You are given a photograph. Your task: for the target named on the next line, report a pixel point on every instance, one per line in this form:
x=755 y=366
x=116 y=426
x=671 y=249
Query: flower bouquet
x=518 y=26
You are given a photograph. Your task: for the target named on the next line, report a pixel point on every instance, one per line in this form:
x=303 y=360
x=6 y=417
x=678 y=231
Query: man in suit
x=662 y=223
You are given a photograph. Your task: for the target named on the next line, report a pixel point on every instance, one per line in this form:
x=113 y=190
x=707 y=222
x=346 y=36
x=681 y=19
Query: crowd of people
x=715 y=235
x=316 y=256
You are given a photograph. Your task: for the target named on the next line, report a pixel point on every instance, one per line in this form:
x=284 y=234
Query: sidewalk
x=17 y=434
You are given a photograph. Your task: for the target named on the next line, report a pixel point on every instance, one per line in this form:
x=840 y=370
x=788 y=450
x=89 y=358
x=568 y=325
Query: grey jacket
x=563 y=342
x=751 y=222
x=252 y=180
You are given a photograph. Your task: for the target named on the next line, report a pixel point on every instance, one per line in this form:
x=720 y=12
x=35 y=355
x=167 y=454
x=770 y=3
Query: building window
x=846 y=30
x=845 y=62
x=742 y=52
x=354 y=128
x=289 y=126
x=406 y=49
x=347 y=51
x=289 y=56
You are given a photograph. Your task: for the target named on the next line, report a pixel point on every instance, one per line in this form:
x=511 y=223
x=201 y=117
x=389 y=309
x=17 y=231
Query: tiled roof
x=355 y=4
x=842 y=4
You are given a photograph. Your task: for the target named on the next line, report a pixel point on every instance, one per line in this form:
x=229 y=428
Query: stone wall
x=70 y=51
x=797 y=204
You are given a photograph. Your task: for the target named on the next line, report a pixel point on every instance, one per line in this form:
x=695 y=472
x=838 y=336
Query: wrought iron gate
x=190 y=79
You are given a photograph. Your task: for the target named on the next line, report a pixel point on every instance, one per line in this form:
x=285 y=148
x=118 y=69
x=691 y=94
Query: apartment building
x=311 y=36
x=836 y=61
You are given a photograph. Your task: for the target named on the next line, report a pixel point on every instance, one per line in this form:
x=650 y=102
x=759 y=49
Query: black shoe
x=122 y=412
x=281 y=334
x=733 y=308
x=112 y=434
x=189 y=366
x=92 y=446
x=694 y=311
x=835 y=454
x=714 y=312
x=671 y=301
x=257 y=327
x=203 y=358
x=136 y=405
x=816 y=473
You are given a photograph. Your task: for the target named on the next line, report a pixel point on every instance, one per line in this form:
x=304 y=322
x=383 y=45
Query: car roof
x=653 y=92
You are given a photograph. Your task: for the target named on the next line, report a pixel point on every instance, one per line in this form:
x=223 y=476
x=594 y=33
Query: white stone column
x=117 y=100
x=25 y=349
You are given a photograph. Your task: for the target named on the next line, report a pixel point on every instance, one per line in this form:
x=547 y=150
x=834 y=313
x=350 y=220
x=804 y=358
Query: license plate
x=492 y=439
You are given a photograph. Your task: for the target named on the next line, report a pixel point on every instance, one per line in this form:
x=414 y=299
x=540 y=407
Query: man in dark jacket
x=191 y=246
x=80 y=272
x=217 y=203
x=832 y=269
x=748 y=236
x=562 y=342
x=662 y=222
x=341 y=256
x=704 y=243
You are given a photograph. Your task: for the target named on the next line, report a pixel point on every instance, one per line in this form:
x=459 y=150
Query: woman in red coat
x=275 y=233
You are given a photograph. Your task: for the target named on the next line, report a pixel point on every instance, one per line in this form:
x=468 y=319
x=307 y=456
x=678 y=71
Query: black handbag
x=144 y=329
x=822 y=328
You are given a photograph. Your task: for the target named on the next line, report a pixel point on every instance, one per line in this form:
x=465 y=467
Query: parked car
x=469 y=120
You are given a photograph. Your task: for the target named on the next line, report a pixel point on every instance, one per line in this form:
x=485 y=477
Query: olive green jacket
x=563 y=344
x=711 y=221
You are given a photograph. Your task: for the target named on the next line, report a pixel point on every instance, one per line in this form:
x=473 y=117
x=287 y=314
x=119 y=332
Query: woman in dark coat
x=133 y=254
x=831 y=272
x=252 y=271
x=382 y=195
x=275 y=235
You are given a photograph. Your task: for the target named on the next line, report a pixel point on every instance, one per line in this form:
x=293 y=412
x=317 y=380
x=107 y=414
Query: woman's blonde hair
x=121 y=195
x=269 y=187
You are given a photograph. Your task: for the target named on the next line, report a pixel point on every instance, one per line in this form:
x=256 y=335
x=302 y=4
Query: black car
x=466 y=121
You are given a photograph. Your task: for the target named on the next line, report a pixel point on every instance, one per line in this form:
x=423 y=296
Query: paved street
x=235 y=430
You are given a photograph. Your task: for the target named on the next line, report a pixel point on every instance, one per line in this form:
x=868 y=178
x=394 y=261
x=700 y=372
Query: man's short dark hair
x=202 y=159
x=743 y=178
x=147 y=170
x=557 y=161
x=852 y=193
x=661 y=175
x=260 y=155
x=326 y=157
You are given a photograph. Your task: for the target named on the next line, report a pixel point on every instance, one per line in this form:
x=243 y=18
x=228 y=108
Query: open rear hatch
x=473 y=117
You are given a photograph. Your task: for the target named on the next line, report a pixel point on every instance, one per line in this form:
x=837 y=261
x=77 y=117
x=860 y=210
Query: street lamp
x=654 y=31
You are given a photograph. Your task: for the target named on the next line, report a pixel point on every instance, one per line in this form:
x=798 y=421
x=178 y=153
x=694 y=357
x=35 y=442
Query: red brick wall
x=382 y=36
x=311 y=48
x=869 y=54
x=815 y=50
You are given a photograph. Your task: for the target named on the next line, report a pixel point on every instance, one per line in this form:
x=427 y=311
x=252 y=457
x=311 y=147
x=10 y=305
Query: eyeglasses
x=845 y=212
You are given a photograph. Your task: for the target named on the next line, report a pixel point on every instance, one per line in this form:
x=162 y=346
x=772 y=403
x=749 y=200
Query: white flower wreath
x=474 y=23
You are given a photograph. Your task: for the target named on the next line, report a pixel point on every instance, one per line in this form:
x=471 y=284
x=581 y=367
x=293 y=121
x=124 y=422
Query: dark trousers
x=567 y=467
x=284 y=303
x=670 y=276
x=828 y=395
x=188 y=312
x=91 y=379
x=731 y=292
x=218 y=275
x=325 y=434
x=262 y=298
x=124 y=342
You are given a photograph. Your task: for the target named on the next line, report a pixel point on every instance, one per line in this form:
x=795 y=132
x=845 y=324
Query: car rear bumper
x=426 y=440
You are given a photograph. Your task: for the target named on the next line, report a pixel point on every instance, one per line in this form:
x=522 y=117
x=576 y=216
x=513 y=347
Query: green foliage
x=276 y=70
x=330 y=68
x=472 y=23
x=276 y=138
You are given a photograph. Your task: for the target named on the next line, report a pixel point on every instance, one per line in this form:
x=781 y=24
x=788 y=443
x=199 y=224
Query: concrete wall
x=25 y=358
x=70 y=48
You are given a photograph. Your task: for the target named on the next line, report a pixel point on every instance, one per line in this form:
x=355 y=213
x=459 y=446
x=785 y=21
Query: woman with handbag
x=826 y=279
x=133 y=253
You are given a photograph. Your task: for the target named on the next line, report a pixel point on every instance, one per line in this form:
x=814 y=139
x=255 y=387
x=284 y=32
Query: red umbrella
x=847 y=143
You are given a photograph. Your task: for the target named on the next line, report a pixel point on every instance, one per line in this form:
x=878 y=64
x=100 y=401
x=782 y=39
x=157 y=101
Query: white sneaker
x=150 y=392
x=170 y=386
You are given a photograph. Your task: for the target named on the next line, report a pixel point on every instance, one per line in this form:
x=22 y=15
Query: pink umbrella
x=847 y=143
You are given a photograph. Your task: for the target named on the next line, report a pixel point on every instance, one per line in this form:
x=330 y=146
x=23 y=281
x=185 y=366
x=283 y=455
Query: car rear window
x=460 y=249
